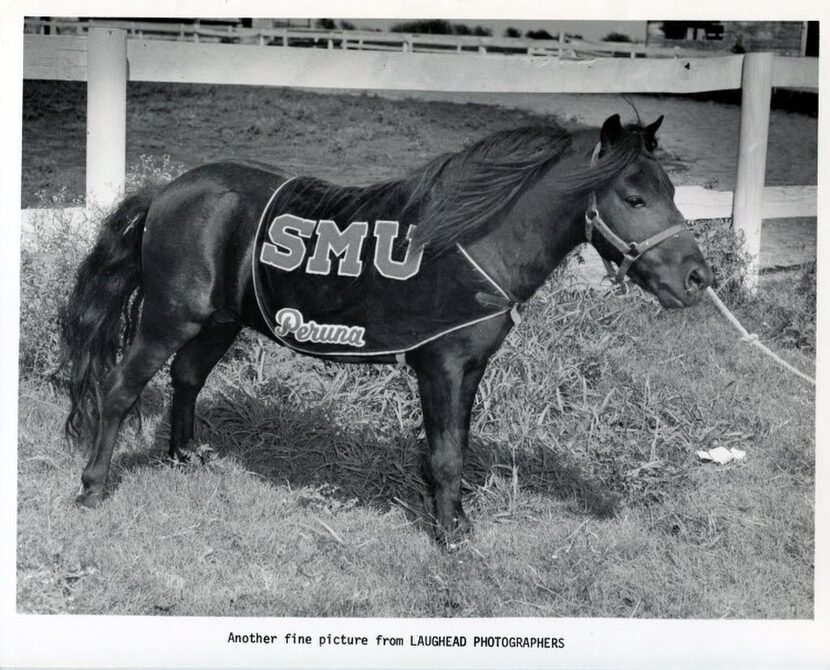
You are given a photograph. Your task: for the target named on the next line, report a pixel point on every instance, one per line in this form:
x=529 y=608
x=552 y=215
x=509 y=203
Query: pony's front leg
x=447 y=383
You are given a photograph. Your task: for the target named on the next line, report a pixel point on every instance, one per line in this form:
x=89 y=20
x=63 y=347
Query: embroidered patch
x=291 y=321
x=286 y=248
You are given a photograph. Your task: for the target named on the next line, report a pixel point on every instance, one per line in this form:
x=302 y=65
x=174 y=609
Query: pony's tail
x=100 y=315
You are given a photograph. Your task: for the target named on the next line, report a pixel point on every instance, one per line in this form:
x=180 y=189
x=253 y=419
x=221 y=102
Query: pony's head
x=633 y=222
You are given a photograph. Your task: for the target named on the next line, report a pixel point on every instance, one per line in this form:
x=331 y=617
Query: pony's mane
x=458 y=197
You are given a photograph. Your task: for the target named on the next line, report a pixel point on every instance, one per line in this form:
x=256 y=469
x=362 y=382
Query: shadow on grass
x=289 y=442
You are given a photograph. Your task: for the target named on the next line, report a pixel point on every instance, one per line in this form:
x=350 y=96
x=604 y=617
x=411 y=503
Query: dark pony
x=174 y=272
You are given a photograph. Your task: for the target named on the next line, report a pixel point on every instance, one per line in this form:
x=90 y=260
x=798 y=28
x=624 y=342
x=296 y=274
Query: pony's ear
x=651 y=134
x=611 y=131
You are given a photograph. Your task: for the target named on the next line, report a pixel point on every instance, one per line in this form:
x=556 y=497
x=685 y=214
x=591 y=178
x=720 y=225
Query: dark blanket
x=328 y=286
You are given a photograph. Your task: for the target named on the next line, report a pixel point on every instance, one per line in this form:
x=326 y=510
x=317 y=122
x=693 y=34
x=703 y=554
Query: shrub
x=722 y=248
x=539 y=35
x=439 y=27
x=424 y=27
x=783 y=309
x=49 y=258
x=616 y=37
x=48 y=261
x=152 y=170
x=46 y=273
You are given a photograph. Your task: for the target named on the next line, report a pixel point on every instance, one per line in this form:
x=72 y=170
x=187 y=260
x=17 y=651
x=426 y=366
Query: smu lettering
x=287 y=247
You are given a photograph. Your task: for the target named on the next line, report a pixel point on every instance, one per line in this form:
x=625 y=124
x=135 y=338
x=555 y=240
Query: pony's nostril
x=697 y=279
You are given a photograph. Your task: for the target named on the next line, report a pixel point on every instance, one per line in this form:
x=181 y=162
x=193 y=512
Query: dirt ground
x=359 y=138
x=699 y=140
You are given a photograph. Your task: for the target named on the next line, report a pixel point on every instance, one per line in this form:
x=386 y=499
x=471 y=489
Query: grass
x=583 y=483
x=306 y=496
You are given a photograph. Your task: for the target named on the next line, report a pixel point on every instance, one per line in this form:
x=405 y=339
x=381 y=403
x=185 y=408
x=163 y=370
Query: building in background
x=786 y=38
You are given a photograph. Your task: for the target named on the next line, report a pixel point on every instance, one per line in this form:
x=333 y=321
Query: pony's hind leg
x=190 y=369
x=121 y=389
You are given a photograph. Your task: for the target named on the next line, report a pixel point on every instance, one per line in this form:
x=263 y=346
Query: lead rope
x=752 y=338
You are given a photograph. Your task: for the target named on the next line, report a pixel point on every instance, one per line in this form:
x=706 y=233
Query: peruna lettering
x=291 y=321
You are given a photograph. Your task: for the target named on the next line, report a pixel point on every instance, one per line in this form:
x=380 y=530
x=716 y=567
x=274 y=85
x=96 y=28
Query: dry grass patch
x=582 y=480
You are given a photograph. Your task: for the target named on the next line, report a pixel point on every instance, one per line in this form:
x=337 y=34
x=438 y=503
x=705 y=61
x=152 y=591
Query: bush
x=424 y=27
x=152 y=170
x=48 y=261
x=539 y=35
x=722 y=248
x=50 y=257
x=439 y=27
x=783 y=310
x=616 y=37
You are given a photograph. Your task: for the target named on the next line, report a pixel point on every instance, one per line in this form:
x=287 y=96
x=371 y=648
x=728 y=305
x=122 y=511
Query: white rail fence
x=563 y=46
x=106 y=59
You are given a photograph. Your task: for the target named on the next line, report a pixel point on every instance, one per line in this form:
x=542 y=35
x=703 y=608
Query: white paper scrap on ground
x=722 y=455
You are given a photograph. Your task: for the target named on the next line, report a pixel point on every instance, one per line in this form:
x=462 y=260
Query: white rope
x=752 y=338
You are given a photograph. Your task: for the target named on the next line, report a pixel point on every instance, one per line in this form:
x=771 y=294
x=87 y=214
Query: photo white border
x=102 y=641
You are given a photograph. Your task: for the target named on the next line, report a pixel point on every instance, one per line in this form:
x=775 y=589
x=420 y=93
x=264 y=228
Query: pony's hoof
x=178 y=457
x=459 y=533
x=90 y=499
x=193 y=454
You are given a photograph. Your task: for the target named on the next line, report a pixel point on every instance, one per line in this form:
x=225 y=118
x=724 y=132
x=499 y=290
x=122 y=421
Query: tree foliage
x=539 y=35
x=616 y=37
x=439 y=27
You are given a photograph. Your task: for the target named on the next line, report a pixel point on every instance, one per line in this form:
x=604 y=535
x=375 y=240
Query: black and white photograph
x=445 y=336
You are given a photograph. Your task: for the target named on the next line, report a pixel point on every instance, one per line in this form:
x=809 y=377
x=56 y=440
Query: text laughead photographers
x=488 y=641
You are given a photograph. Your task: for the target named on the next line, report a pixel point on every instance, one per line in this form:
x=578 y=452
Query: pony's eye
x=635 y=201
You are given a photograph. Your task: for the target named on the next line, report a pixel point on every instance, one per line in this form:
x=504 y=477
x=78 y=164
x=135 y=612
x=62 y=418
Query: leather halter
x=631 y=251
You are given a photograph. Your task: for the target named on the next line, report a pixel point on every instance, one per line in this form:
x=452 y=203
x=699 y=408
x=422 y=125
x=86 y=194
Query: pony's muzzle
x=698 y=278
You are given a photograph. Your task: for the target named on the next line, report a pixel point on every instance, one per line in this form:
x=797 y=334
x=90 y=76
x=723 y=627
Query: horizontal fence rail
x=150 y=60
x=67 y=57
x=694 y=203
x=564 y=46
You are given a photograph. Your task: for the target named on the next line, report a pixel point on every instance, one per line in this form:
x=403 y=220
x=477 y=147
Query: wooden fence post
x=106 y=115
x=756 y=91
